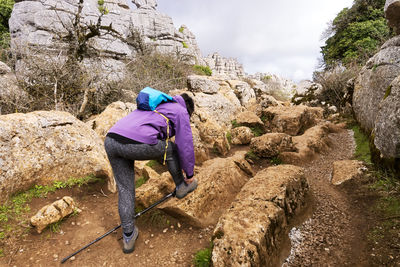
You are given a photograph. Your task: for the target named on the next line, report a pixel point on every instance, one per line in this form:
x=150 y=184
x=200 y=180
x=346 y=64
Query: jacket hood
x=180 y=100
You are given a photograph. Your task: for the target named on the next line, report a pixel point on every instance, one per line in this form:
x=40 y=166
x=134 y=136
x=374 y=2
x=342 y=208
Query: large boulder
x=374 y=81
x=221 y=107
x=197 y=83
x=214 y=136
x=292 y=120
x=105 y=120
x=387 y=123
x=219 y=180
x=272 y=144
x=45 y=146
x=392 y=13
x=248 y=233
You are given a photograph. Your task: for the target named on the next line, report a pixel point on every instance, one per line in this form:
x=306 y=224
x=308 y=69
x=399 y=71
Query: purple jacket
x=148 y=127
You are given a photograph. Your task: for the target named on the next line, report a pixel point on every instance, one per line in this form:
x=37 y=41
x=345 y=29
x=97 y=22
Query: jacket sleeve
x=184 y=142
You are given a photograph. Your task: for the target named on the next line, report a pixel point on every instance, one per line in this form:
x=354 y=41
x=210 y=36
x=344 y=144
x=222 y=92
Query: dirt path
x=331 y=236
x=334 y=234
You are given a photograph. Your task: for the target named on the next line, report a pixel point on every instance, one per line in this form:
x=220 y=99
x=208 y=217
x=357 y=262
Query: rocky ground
x=332 y=231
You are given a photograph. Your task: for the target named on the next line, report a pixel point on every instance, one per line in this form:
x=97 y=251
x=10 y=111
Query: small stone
x=151 y=246
x=152 y=235
x=72 y=258
x=147 y=241
x=190 y=228
x=78 y=223
x=73 y=223
x=31 y=258
x=179 y=225
x=137 y=255
x=21 y=250
x=55 y=256
x=200 y=237
x=165 y=230
x=172 y=227
x=67 y=242
x=326 y=249
x=62 y=232
x=373 y=255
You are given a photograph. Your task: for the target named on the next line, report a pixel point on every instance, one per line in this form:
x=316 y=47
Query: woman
x=142 y=135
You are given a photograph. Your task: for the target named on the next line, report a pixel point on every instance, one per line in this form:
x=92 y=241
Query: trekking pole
x=115 y=228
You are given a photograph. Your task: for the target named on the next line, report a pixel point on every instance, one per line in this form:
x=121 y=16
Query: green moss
x=275 y=160
x=229 y=137
x=235 y=124
x=362 y=151
x=257 y=130
x=140 y=181
x=185 y=45
x=1 y=253
x=388 y=92
x=152 y=163
x=181 y=29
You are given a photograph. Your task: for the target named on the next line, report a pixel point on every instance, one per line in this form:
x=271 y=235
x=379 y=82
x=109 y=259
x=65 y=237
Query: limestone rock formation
x=53 y=213
x=197 y=83
x=387 y=123
x=272 y=144
x=314 y=140
x=44 y=146
x=280 y=88
x=241 y=135
x=220 y=180
x=249 y=232
x=249 y=119
x=291 y=120
x=149 y=4
x=214 y=136
x=105 y=120
x=345 y=170
x=392 y=13
x=373 y=82
x=156 y=187
x=227 y=67
x=242 y=90
x=10 y=93
x=48 y=25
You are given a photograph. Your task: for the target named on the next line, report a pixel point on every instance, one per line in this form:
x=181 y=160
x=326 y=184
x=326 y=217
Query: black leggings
x=122 y=159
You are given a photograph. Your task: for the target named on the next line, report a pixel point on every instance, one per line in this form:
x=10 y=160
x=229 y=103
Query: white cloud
x=281 y=37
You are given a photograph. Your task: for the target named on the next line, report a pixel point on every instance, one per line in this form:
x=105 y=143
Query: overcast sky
x=275 y=36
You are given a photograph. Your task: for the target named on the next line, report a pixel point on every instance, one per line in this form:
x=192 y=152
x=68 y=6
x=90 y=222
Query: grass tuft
x=362 y=145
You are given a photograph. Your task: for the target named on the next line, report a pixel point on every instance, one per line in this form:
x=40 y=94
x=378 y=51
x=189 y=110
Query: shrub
x=160 y=71
x=334 y=83
x=202 y=70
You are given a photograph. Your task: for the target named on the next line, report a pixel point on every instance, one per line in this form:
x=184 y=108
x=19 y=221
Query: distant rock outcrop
x=228 y=67
x=392 y=13
x=44 y=146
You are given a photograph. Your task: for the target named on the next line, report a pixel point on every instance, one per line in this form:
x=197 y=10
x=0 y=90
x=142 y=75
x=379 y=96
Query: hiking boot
x=129 y=241
x=183 y=189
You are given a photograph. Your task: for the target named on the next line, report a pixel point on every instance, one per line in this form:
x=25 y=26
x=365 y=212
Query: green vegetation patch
x=251 y=155
x=181 y=29
x=202 y=70
x=257 y=130
x=202 y=257
x=362 y=152
x=140 y=181
x=229 y=137
x=153 y=163
x=185 y=45
x=388 y=92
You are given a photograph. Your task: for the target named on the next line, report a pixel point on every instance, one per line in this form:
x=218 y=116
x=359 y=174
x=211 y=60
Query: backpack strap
x=166 y=140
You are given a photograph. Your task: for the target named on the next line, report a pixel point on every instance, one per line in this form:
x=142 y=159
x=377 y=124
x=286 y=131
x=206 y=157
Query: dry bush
x=160 y=71
x=335 y=85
